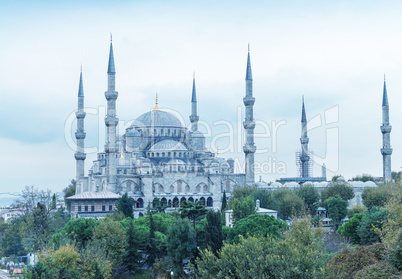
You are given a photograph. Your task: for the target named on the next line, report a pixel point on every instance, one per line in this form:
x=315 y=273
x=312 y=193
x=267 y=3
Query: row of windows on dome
x=161 y=132
x=209 y=202
x=178 y=188
x=170 y=154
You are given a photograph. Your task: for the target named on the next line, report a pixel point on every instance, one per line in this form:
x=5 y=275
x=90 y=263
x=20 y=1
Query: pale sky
x=335 y=53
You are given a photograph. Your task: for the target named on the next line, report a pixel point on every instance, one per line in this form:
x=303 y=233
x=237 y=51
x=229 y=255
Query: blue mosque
x=159 y=159
x=156 y=158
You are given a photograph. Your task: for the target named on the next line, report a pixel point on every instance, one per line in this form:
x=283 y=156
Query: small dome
x=133 y=133
x=261 y=184
x=370 y=184
x=157 y=118
x=230 y=160
x=340 y=179
x=276 y=184
x=166 y=145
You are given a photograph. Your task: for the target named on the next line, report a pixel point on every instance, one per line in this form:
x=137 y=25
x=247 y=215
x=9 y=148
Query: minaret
x=304 y=158
x=386 y=149
x=194 y=117
x=249 y=125
x=111 y=122
x=80 y=134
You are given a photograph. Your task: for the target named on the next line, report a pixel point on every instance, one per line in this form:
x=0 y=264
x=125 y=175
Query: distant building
x=258 y=209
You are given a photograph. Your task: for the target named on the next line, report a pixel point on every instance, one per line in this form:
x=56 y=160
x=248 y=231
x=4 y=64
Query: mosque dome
x=157 y=118
x=168 y=145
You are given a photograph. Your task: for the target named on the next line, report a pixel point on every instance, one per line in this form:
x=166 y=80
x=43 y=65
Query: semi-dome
x=157 y=118
x=165 y=145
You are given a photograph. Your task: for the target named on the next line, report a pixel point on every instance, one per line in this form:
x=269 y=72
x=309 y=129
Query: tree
x=337 y=209
x=370 y=225
x=68 y=192
x=296 y=256
x=151 y=250
x=54 y=201
x=40 y=226
x=132 y=257
x=376 y=197
x=257 y=224
x=349 y=229
x=224 y=202
x=181 y=244
x=338 y=188
x=193 y=211
x=310 y=196
x=355 y=210
x=158 y=206
x=125 y=205
x=78 y=230
x=113 y=238
x=213 y=231
x=364 y=178
x=291 y=206
x=242 y=207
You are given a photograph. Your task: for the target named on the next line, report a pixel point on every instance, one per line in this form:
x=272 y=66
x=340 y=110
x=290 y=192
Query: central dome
x=157 y=118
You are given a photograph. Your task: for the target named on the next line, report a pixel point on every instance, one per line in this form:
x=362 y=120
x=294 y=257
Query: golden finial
x=194 y=74
x=217 y=152
x=156 y=103
x=111 y=37
x=81 y=68
x=384 y=76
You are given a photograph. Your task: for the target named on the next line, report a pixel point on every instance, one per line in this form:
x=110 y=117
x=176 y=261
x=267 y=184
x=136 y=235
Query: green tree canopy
x=125 y=205
x=194 y=211
x=376 y=197
x=242 y=207
x=68 y=192
x=337 y=209
x=342 y=189
x=181 y=244
x=257 y=224
x=371 y=223
x=213 y=230
x=310 y=196
x=349 y=229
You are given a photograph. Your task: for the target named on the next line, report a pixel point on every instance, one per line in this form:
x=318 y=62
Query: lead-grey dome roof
x=157 y=118
x=167 y=144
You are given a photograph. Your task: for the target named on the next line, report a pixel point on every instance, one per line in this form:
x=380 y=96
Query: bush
x=381 y=270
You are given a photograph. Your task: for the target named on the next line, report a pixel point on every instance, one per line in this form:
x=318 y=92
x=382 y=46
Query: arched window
x=182 y=200
x=179 y=154
x=175 y=202
x=160 y=189
x=140 y=203
x=163 y=154
x=171 y=189
x=210 y=202
x=191 y=199
x=155 y=133
x=157 y=154
x=163 y=201
x=155 y=202
x=202 y=201
x=168 y=154
x=198 y=189
x=179 y=186
x=140 y=215
x=187 y=189
x=168 y=132
x=206 y=188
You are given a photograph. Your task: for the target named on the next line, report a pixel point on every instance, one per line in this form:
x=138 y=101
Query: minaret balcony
x=249 y=148
x=194 y=118
x=111 y=121
x=249 y=101
x=386 y=151
x=80 y=156
x=249 y=124
x=80 y=114
x=304 y=140
x=304 y=158
x=385 y=129
x=111 y=95
x=110 y=149
x=80 y=135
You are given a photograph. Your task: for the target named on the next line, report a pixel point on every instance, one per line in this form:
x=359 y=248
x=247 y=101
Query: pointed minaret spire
x=249 y=75
x=194 y=117
x=111 y=121
x=304 y=157
x=80 y=155
x=386 y=128
x=249 y=124
x=156 y=103
x=110 y=68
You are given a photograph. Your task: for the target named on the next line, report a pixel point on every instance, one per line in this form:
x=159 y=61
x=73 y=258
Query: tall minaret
x=80 y=134
x=386 y=149
x=194 y=117
x=249 y=124
x=304 y=158
x=111 y=122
